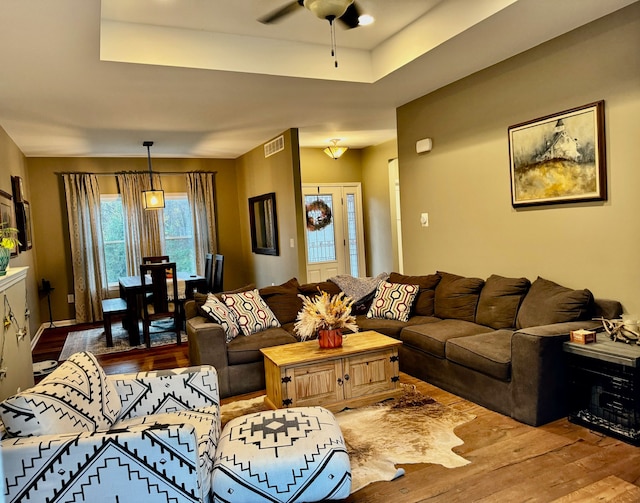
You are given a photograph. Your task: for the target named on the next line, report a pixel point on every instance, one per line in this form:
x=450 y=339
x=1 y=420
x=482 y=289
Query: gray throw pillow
x=548 y=303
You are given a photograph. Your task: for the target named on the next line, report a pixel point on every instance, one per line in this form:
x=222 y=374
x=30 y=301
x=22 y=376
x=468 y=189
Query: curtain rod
x=114 y=173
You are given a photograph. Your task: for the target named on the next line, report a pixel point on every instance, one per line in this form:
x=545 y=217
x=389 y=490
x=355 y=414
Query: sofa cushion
x=311 y=289
x=393 y=301
x=432 y=337
x=457 y=297
x=547 y=303
x=489 y=353
x=76 y=397
x=283 y=300
x=499 y=301
x=252 y=313
x=390 y=328
x=424 y=304
x=247 y=349
x=216 y=311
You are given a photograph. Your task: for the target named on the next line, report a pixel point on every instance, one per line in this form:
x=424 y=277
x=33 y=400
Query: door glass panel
x=352 y=237
x=321 y=241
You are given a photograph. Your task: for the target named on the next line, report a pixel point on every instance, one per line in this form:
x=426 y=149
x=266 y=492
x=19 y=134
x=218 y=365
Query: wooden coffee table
x=363 y=371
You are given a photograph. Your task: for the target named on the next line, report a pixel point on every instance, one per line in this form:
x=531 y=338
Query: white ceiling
x=203 y=78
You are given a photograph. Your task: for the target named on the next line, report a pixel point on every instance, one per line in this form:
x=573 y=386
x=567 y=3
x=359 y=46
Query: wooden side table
x=604 y=387
x=364 y=370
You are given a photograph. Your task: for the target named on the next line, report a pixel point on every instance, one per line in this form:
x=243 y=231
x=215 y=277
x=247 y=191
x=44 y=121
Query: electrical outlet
x=71 y=298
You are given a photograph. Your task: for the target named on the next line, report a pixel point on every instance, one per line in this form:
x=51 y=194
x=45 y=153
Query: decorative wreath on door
x=318 y=215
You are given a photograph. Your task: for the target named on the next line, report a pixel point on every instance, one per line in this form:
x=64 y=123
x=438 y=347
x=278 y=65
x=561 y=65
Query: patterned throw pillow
x=217 y=312
x=252 y=313
x=393 y=301
x=75 y=398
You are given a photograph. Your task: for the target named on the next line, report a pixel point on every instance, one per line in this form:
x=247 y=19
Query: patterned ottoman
x=284 y=455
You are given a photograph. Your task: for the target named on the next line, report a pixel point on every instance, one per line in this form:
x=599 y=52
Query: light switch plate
x=424 y=219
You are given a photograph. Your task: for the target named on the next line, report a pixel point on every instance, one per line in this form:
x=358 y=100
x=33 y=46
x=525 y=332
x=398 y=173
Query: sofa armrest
x=190 y=309
x=207 y=343
x=560 y=329
x=131 y=465
x=538 y=371
x=147 y=393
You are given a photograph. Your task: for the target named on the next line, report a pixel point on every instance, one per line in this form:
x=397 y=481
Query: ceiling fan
x=345 y=11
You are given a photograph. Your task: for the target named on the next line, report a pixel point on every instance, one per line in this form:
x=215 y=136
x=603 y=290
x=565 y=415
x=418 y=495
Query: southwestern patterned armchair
x=81 y=435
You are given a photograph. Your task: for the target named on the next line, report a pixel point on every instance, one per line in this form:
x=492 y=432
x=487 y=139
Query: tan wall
x=279 y=173
x=50 y=216
x=318 y=167
x=464 y=182
x=13 y=163
x=379 y=208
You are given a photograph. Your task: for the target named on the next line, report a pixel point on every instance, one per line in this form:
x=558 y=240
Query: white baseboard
x=44 y=326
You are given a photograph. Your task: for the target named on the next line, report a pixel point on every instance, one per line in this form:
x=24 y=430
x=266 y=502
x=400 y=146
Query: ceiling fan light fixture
x=334 y=151
x=328 y=9
x=366 y=20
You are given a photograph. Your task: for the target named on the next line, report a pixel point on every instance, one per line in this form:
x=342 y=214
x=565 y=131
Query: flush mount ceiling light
x=151 y=199
x=334 y=151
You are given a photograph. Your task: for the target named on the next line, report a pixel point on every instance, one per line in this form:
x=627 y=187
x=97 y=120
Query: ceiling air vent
x=274 y=146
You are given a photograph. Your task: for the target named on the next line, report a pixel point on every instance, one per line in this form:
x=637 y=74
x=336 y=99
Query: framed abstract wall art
x=559 y=158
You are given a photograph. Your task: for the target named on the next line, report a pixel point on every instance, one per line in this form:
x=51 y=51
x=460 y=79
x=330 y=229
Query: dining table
x=131 y=291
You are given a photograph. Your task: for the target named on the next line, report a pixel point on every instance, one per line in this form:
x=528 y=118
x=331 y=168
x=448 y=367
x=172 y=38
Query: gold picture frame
x=559 y=158
x=8 y=214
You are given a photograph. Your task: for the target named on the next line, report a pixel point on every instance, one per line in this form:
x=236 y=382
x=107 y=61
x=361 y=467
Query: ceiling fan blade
x=278 y=14
x=350 y=17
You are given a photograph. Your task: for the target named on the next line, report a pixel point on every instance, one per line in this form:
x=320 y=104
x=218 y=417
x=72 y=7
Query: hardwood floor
x=51 y=341
x=509 y=461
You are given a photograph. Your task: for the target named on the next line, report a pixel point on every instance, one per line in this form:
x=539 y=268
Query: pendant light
x=151 y=199
x=334 y=151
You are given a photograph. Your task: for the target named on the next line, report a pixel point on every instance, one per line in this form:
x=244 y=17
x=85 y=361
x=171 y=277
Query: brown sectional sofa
x=497 y=342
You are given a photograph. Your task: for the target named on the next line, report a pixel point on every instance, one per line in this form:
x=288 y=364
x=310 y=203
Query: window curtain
x=85 y=232
x=201 y=189
x=144 y=232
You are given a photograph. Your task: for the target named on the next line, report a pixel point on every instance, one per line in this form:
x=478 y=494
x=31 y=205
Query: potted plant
x=8 y=242
x=325 y=316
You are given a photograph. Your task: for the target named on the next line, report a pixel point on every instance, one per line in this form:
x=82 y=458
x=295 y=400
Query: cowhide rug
x=411 y=429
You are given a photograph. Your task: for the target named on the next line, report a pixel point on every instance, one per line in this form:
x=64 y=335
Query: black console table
x=604 y=387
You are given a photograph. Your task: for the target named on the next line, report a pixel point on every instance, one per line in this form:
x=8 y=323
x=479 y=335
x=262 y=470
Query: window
x=178 y=234
x=113 y=237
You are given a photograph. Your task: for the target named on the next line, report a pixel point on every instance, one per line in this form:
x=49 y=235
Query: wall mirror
x=264 y=224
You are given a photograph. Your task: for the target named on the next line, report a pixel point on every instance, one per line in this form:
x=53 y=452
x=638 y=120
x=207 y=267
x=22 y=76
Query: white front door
x=333 y=236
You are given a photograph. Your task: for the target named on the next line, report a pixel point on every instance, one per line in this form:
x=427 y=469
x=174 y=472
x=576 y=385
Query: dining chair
x=208 y=270
x=162 y=280
x=218 y=271
x=159 y=259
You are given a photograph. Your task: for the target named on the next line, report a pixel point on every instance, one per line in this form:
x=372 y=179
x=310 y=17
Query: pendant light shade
x=151 y=199
x=334 y=151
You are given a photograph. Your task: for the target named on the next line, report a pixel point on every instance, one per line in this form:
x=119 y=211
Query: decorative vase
x=5 y=255
x=330 y=338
